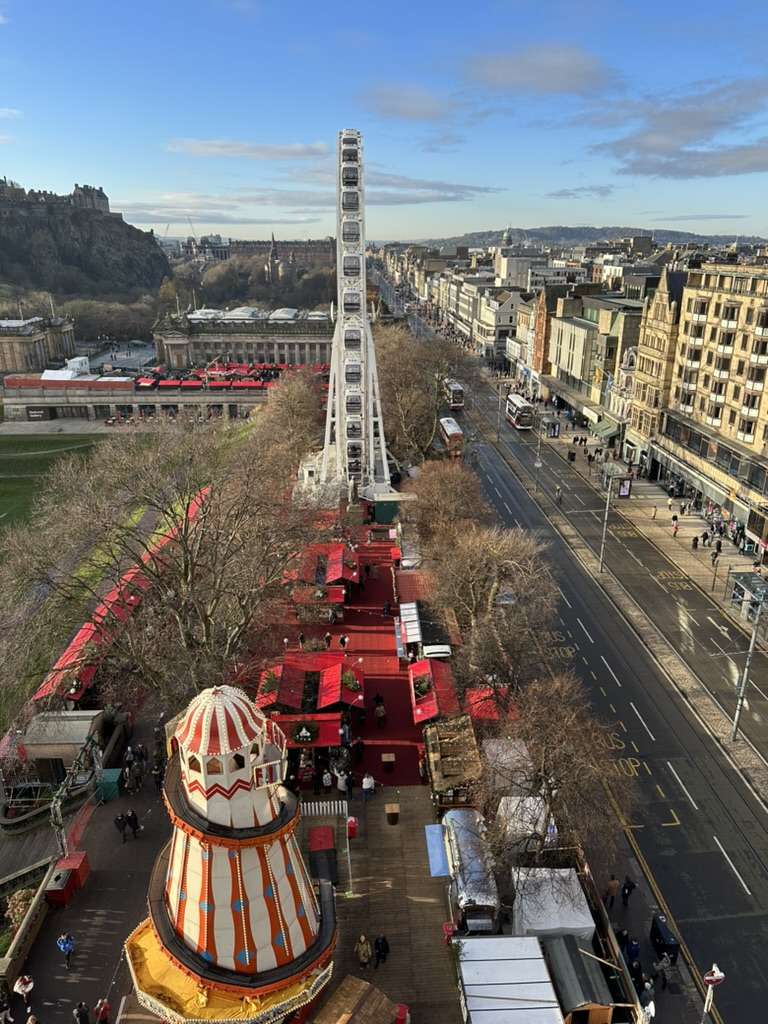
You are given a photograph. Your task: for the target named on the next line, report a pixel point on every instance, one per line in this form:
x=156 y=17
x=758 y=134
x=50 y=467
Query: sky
x=224 y=113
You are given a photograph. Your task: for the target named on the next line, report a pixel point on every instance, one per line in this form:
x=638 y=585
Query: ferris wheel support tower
x=354 y=452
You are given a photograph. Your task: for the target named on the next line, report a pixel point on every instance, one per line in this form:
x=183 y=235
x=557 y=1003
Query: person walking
x=132 y=821
x=669 y=503
x=102 y=1011
x=343 y=641
x=300 y=638
x=611 y=892
x=327 y=641
x=675 y=528
x=718 y=545
x=368 y=786
x=342 y=784
x=626 y=890
x=286 y=643
x=66 y=944
x=380 y=714
x=714 y=556
x=386 y=609
x=129 y=757
x=121 y=824
x=661 y=969
x=157 y=775
x=380 y=950
x=704 y=539
x=327 y=781
x=23 y=987
x=81 y=1013
x=559 y=495
x=363 y=952
x=137 y=776
x=653 y=513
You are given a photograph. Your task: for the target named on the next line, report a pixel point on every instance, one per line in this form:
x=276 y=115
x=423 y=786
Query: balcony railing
x=758 y=358
x=729 y=325
x=721 y=374
x=712 y=421
x=724 y=349
x=717 y=399
x=746 y=438
x=692 y=364
x=750 y=412
x=753 y=385
x=699 y=318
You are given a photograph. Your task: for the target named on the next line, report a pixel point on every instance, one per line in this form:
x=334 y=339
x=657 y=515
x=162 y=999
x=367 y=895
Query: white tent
x=550 y=901
x=504 y=980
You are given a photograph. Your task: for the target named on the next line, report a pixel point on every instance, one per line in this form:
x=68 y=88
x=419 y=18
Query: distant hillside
x=69 y=251
x=560 y=234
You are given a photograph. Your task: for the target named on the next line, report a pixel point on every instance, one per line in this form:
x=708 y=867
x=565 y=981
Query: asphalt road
x=701 y=831
x=694 y=626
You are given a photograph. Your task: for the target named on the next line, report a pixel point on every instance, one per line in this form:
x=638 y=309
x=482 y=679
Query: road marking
x=642 y=720
x=763 y=695
x=570 y=634
x=717 y=645
x=498 y=492
x=509 y=510
x=692 y=618
x=579 y=498
x=613 y=709
x=584 y=659
x=682 y=786
x=635 y=747
x=593 y=675
x=519 y=525
x=560 y=620
x=565 y=598
x=623 y=726
x=673 y=823
x=723 y=630
x=586 y=631
x=661 y=792
x=632 y=555
x=602 y=690
x=732 y=866
x=647 y=769
x=615 y=677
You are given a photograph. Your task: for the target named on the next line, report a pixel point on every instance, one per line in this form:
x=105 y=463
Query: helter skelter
x=236 y=931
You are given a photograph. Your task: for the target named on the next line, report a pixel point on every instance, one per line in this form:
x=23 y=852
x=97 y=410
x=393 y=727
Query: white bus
x=452 y=437
x=454 y=393
x=519 y=412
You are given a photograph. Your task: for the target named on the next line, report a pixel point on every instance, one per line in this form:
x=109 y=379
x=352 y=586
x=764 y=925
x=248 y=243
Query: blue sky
x=474 y=115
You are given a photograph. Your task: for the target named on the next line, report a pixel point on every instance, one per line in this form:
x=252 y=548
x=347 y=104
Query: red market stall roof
x=327 y=728
x=146 y=382
x=318 y=595
x=482 y=704
x=340 y=564
x=333 y=689
x=439 y=698
x=170 y=383
x=288 y=691
x=191 y=384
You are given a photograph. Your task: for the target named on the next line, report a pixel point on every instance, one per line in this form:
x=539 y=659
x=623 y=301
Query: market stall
x=432 y=690
x=453 y=761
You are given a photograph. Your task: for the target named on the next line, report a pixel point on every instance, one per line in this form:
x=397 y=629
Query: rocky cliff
x=58 y=248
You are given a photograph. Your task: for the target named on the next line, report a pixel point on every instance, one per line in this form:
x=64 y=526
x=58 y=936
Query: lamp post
x=605 y=523
x=745 y=674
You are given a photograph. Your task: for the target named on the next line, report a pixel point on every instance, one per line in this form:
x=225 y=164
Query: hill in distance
x=560 y=234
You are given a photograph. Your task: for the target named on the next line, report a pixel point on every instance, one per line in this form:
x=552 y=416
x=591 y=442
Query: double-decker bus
x=519 y=412
x=454 y=393
x=452 y=437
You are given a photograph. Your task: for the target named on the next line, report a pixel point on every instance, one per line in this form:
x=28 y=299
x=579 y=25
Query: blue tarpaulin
x=438 y=861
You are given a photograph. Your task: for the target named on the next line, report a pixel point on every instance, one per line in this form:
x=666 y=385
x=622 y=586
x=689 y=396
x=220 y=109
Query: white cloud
x=583 y=192
x=3 y=20
x=249 y=150
x=9 y=113
x=409 y=103
x=5 y=140
x=546 y=70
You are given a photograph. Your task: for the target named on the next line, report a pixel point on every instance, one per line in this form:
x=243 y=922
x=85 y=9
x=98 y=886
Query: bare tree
x=450 y=499
x=411 y=379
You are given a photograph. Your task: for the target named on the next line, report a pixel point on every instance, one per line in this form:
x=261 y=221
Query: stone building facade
x=29 y=345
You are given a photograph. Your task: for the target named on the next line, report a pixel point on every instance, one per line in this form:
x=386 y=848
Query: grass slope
x=24 y=461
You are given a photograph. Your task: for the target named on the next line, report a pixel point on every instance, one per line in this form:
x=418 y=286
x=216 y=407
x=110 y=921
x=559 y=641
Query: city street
x=700 y=830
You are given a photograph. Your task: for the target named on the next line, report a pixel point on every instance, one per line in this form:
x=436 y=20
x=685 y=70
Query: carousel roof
x=219 y=721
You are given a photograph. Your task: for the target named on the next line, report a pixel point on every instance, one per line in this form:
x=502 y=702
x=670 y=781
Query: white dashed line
x=615 y=677
x=565 y=598
x=642 y=720
x=632 y=555
x=509 y=510
x=682 y=786
x=732 y=866
x=586 y=631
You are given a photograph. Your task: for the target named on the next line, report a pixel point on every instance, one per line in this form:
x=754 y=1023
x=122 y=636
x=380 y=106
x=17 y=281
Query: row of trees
x=215 y=586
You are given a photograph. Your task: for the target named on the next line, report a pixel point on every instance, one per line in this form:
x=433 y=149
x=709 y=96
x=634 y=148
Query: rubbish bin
x=571 y=456
x=663 y=939
x=393 y=813
x=352 y=826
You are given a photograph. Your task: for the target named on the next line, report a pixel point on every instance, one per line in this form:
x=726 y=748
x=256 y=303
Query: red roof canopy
x=440 y=698
x=328 y=727
x=333 y=689
x=481 y=703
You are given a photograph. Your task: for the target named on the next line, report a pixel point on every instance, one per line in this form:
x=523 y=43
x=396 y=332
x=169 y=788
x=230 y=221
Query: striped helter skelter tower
x=355 y=448
x=234 y=908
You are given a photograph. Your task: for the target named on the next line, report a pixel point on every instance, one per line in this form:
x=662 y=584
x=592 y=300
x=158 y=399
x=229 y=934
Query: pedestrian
x=714 y=556
x=157 y=775
x=675 y=528
x=646 y=994
x=137 y=776
x=129 y=757
x=386 y=609
x=23 y=987
x=635 y=967
x=380 y=950
x=5 y=1005
x=695 y=541
x=102 y=1011
x=363 y=952
x=132 y=821
x=141 y=754
x=317 y=780
x=611 y=892
x=661 y=969
x=81 y=1013
x=367 y=569
x=128 y=779
x=622 y=937
x=718 y=545
x=683 y=507
x=327 y=641
x=121 y=824
x=327 y=781
x=66 y=944
x=626 y=890
x=380 y=714
x=559 y=495
x=705 y=539
x=653 y=513
x=343 y=641
x=342 y=784
x=285 y=643
x=300 y=638
x=369 y=786
x=669 y=503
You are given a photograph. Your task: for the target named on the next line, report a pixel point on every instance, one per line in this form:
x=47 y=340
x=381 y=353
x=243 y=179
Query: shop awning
x=410 y=624
x=484 y=704
x=606 y=429
x=335 y=689
x=432 y=690
x=281 y=684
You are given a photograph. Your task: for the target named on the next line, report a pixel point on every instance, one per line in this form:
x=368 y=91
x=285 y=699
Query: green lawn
x=23 y=463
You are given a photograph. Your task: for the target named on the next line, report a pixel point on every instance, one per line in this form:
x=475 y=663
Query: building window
x=736 y=393
x=731 y=418
x=740 y=366
x=214 y=767
x=193 y=764
x=237 y=761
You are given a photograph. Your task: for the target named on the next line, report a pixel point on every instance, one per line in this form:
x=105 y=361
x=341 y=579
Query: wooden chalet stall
x=358 y=1002
x=453 y=762
x=432 y=690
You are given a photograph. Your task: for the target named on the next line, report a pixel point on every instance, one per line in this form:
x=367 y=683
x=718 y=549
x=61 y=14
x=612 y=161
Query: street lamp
x=610 y=472
x=745 y=674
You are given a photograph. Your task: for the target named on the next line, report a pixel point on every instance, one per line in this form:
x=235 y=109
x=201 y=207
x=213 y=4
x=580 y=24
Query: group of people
x=128 y=822
x=365 y=951
x=24 y=985
x=345 y=784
